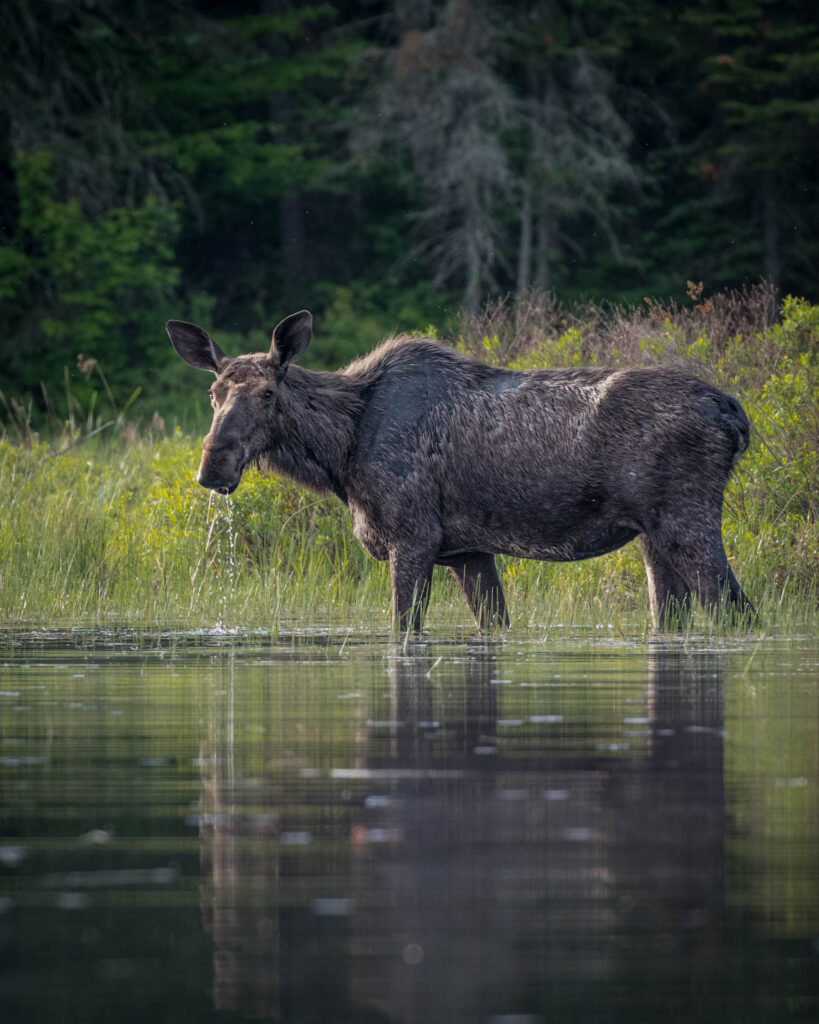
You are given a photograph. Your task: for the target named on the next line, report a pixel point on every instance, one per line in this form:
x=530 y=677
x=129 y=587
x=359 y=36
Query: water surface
x=218 y=827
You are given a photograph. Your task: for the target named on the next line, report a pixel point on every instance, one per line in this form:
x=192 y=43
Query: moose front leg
x=478 y=578
x=411 y=575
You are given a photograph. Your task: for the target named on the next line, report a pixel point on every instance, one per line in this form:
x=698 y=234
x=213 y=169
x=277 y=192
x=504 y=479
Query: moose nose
x=215 y=482
x=218 y=476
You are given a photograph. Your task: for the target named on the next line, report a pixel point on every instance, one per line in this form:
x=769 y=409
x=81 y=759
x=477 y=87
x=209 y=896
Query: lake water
x=222 y=827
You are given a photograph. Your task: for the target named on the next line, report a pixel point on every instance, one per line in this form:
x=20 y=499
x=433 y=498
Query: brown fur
x=444 y=460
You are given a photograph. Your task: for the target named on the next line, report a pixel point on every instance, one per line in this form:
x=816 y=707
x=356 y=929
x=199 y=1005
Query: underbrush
x=116 y=530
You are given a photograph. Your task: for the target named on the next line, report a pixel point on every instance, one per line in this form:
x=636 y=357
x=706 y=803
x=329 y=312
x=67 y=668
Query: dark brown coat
x=444 y=460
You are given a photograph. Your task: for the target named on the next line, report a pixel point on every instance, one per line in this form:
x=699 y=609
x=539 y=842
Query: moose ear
x=195 y=345
x=290 y=338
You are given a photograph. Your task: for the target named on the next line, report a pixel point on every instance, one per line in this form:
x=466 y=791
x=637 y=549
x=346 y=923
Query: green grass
x=116 y=530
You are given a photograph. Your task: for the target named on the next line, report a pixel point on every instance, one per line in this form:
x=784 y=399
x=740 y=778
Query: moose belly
x=559 y=535
x=574 y=549
x=571 y=549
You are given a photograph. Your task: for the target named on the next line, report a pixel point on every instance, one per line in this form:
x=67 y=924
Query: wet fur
x=444 y=460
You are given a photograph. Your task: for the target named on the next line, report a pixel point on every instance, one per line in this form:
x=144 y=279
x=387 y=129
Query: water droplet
x=412 y=954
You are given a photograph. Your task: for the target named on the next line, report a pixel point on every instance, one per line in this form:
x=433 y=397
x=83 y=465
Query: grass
x=115 y=530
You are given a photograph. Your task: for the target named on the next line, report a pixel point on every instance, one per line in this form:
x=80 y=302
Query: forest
x=391 y=165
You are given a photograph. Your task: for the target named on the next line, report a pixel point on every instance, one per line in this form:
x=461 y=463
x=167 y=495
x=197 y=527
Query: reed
x=115 y=530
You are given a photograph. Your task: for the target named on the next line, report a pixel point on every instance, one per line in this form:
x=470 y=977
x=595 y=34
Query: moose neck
x=316 y=429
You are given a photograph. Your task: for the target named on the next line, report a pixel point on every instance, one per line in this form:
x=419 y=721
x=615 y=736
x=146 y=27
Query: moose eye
x=268 y=394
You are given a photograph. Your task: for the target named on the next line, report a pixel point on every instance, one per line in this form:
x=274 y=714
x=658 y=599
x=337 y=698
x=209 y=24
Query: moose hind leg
x=701 y=561
x=738 y=598
x=668 y=593
x=478 y=579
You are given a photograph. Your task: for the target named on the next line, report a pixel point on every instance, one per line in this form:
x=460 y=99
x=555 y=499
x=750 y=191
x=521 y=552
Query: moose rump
x=444 y=460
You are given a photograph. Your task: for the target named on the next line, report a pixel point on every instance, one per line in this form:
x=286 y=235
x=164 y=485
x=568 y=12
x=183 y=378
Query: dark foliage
x=384 y=163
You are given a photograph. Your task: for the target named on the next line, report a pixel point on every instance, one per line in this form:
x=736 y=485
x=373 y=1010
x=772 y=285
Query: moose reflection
x=456 y=865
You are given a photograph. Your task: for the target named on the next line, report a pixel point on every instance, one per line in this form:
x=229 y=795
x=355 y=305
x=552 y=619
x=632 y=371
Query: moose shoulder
x=444 y=460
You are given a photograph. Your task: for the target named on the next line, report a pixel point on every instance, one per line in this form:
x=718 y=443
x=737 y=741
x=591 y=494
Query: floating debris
x=360 y=835
x=578 y=835
x=332 y=907
x=72 y=900
x=12 y=856
x=296 y=838
x=372 y=803
x=397 y=773
x=106 y=879
x=96 y=837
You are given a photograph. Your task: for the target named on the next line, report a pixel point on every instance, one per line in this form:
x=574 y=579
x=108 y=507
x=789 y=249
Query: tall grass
x=115 y=530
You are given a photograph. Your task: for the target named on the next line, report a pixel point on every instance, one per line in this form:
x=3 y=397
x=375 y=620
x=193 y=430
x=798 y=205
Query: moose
x=444 y=460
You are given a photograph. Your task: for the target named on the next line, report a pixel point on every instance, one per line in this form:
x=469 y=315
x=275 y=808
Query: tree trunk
x=472 y=292
x=292 y=229
x=544 y=235
x=770 y=231
x=525 y=244
x=294 y=240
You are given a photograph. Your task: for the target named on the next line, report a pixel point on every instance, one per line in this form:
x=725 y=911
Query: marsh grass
x=122 y=534
x=113 y=529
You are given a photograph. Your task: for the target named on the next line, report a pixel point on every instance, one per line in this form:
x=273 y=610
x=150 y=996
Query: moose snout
x=220 y=469
x=215 y=484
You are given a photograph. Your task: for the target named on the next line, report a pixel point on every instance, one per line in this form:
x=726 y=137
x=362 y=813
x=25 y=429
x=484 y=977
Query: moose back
x=443 y=460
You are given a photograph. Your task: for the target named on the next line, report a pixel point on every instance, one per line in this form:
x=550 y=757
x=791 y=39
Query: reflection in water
x=485 y=871
x=222 y=829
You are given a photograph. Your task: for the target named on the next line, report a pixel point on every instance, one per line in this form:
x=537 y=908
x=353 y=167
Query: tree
x=509 y=119
x=574 y=150
x=760 y=68
x=89 y=218
x=439 y=97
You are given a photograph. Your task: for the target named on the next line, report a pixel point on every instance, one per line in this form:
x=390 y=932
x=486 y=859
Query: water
x=214 y=827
